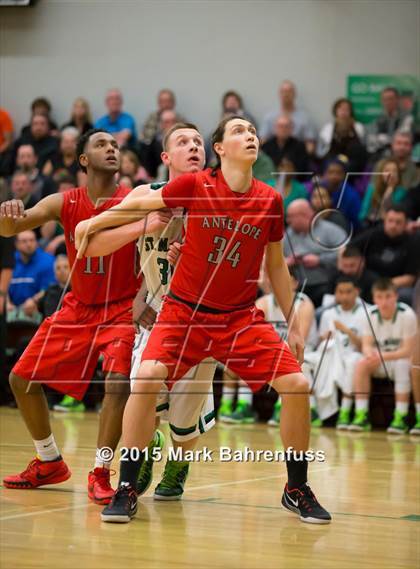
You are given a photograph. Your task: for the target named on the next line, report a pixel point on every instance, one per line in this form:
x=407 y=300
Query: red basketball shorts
x=64 y=352
x=242 y=340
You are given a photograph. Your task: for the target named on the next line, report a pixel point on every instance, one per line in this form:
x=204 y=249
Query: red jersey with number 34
x=98 y=280
x=225 y=238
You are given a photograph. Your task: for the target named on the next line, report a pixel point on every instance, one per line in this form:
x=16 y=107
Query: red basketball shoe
x=39 y=473
x=99 y=486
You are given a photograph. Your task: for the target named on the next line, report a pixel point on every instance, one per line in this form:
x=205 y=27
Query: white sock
x=417 y=408
x=402 y=407
x=245 y=394
x=47 y=449
x=362 y=404
x=228 y=393
x=312 y=401
x=346 y=403
x=100 y=460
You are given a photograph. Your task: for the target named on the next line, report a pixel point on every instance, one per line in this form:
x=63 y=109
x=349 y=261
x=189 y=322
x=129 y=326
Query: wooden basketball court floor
x=230 y=516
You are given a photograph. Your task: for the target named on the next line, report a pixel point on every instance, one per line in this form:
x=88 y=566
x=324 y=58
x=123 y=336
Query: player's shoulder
x=73 y=195
x=405 y=310
x=374 y=310
x=206 y=177
x=264 y=189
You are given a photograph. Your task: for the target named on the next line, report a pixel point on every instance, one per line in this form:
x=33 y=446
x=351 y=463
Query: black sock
x=129 y=468
x=297 y=471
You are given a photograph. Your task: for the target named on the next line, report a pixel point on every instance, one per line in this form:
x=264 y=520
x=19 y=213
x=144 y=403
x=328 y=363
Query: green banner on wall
x=364 y=91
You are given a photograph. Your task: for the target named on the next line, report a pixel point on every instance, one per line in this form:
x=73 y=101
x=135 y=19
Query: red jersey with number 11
x=225 y=238
x=98 y=280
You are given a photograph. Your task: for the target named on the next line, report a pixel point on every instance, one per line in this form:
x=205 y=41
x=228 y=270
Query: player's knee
x=117 y=385
x=292 y=383
x=19 y=385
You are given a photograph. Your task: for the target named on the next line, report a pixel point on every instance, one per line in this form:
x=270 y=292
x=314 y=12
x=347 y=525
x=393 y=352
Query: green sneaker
x=171 y=487
x=399 y=424
x=146 y=471
x=416 y=429
x=275 y=418
x=225 y=411
x=243 y=414
x=343 y=420
x=315 y=420
x=70 y=405
x=360 y=421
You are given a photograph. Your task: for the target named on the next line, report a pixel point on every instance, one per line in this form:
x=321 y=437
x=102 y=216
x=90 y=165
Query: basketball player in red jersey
x=95 y=318
x=210 y=310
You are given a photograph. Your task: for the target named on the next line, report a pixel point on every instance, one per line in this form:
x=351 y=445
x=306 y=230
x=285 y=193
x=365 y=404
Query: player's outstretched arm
x=14 y=218
x=133 y=207
x=109 y=240
x=279 y=276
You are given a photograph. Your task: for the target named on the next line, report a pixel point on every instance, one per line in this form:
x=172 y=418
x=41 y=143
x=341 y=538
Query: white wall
x=200 y=48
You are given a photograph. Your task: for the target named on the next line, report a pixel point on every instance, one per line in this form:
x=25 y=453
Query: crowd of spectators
x=343 y=184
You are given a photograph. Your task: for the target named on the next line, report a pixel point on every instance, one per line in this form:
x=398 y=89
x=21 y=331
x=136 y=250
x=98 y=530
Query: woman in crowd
x=343 y=135
x=384 y=190
x=81 y=117
x=287 y=185
x=132 y=169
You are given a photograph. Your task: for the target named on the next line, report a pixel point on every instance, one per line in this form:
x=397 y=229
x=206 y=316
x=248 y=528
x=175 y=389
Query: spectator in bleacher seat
x=302 y=127
x=393 y=119
x=287 y=184
x=39 y=136
x=120 y=124
x=387 y=345
x=342 y=192
x=26 y=161
x=321 y=202
x=232 y=104
x=343 y=135
x=284 y=143
x=152 y=160
x=41 y=106
x=50 y=300
x=81 y=116
x=65 y=159
x=263 y=168
x=22 y=189
x=384 y=190
x=352 y=263
x=401 y=150
x=7 y=263
x=131 y=168
x=6 y=142
x=312 y=250
x=166 y=101
x=32 y=275
x=52 y=238
x=391 y=252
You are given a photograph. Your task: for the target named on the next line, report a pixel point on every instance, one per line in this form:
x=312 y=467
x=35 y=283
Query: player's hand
x=143 y=314
x=310 y=261
x=174 y=252
x=373 y=359
x=12 y=209
x=29 y=307
x=81 y=237
x=296 y=344
x=157 y=220
x=340 y=326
